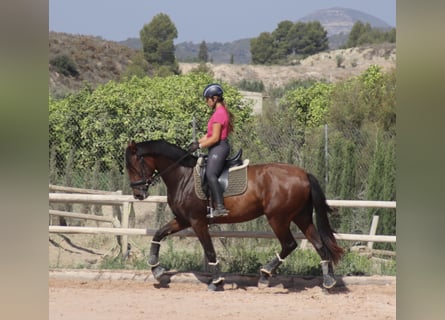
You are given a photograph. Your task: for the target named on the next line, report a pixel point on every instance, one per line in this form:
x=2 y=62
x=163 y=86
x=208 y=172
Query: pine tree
x=203 y=54
x=157 y=43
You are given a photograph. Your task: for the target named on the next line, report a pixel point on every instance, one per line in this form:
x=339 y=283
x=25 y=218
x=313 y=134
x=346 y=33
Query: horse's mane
x=166 y=149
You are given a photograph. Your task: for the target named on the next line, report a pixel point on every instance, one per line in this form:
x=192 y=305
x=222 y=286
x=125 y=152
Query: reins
x=155 y=177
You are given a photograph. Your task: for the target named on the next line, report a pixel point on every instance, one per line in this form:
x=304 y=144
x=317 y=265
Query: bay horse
x=284 y=193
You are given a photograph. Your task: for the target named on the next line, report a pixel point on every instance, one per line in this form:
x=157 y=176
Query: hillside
x=96 y=60
x=321 y=66
x=336 y=21
x=340 y=20
x=99 y=61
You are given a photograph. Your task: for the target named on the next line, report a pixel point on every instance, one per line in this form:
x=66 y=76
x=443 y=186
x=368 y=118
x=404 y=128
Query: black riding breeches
x=215 y=164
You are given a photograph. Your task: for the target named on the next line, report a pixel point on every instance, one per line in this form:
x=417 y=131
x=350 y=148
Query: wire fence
x=350 y=165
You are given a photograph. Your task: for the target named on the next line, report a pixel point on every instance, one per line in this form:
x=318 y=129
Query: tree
x=285 y=129
x=381 y=184
x=318 y=38
x=362 y=115
x=262 y=49
x=357 y=31
x=348 y=188
x=281 y=40
x=288 y=38
x=203 y=54
x=157 y=43
x=307 y=38
x=362 y=34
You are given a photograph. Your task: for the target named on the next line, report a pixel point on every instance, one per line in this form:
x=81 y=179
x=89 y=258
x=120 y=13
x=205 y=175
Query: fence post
x=326 y=159
x=372 y=231
x=126 y=208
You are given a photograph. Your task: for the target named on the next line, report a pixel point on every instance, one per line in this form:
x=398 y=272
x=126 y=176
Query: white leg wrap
x=216 y=281
x=325 y=266
x=155 y=242
x=153 y=265
x=214 y=263
x=279 y=258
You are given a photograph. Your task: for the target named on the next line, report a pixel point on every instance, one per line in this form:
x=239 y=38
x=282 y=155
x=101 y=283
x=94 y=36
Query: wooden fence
x=121 y=228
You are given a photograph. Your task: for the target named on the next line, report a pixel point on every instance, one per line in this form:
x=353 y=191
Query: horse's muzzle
x=140 y=194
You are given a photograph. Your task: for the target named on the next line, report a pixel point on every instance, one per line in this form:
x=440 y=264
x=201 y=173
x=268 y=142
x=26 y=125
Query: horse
x=282 y=192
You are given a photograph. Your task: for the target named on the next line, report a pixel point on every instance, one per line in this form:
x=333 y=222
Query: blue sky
x=196 y=20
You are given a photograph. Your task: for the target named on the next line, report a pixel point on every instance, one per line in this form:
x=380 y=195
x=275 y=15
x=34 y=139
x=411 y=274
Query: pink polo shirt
x=220 y=116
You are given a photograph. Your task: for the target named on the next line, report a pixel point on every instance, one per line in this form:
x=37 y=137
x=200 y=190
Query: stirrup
x=218 y=212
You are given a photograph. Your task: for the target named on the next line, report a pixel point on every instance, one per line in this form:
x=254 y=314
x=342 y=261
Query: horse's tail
x=324 y=228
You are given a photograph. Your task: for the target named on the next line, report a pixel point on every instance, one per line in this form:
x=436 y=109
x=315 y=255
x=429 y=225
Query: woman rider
x=219 y=127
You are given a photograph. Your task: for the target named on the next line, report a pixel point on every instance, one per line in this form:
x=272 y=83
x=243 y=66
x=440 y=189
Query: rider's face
x=210 y=101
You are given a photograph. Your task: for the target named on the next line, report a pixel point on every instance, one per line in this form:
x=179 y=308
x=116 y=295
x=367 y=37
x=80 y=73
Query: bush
x=254 y=86
x=339 y=59
x=64 y=65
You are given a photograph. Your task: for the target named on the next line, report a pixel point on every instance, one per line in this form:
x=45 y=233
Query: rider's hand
x=193 y=146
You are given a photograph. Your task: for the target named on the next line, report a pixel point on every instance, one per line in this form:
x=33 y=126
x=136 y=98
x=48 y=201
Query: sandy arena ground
x=97 y=298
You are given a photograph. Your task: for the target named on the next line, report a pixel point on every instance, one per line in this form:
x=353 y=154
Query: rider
x=218 y=129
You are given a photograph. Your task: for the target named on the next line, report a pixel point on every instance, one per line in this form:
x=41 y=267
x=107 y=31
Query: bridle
x=145 y=181
x=148 y=181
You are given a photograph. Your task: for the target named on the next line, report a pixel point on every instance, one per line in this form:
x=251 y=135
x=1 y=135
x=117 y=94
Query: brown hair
x=231 y=116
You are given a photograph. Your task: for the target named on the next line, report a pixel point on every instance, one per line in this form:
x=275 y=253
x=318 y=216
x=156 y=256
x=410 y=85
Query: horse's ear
x=132 y=146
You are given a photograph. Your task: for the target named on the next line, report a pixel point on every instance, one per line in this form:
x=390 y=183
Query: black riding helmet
x=213 y=89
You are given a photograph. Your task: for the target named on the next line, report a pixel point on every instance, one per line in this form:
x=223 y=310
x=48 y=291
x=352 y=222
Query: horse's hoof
x=160 y=276
x=263 y=282
x=216 y=286
x=328 y=281
x=164 y=280
x=157 y=272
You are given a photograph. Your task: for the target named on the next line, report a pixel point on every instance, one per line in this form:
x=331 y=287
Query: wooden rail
x=53 y=187
x=119 y=199
x=217 y=234
x=103 y=199
x=126 y=201
x=114 y=221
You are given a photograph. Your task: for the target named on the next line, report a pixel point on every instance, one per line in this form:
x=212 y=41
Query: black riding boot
x=217 y=194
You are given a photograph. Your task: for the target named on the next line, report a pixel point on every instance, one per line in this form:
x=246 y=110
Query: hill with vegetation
x=92 y=60
x=336 y=21
x=340 y=20
x=78 y=59
x=332 y=66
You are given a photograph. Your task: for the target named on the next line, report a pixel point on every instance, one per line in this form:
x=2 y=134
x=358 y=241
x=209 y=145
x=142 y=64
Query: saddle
x=233 y=178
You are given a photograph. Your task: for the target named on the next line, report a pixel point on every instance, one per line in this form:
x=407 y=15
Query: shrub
x=254 y=86
x=339 y=59
x=64 y=65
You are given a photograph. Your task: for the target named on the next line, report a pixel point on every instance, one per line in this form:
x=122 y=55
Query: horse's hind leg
x=288 y=244
x=304 y=222
x=153 y=260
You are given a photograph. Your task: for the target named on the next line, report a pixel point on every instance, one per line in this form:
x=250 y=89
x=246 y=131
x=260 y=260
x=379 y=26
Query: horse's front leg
x=202 y=232
x=172 y=226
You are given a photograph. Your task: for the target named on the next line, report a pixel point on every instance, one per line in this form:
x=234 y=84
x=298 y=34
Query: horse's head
x=141 y=171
